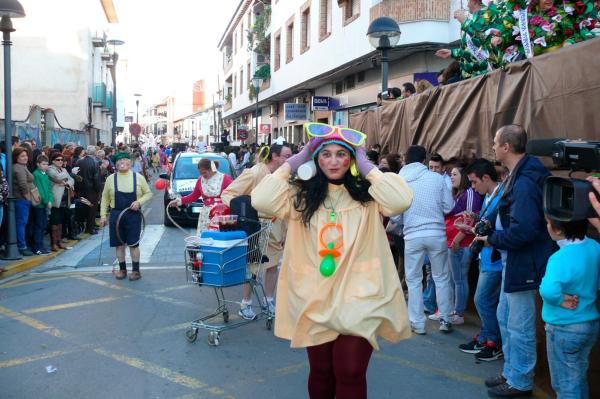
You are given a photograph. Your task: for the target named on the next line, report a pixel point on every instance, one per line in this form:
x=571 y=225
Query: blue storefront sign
x=320 y=103
x=323 y=103
x=295 y=112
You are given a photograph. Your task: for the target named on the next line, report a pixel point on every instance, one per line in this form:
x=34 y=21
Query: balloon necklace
x=331 y=238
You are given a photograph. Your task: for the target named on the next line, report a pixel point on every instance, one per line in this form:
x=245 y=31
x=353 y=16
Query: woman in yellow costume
x=338 y=289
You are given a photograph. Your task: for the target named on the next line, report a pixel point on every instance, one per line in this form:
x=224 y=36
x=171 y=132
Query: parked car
x=182 y=181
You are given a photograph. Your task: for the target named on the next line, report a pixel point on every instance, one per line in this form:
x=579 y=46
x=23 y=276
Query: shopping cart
x=238 y=263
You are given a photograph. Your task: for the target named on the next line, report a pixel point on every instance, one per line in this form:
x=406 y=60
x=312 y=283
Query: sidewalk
x=29 y=262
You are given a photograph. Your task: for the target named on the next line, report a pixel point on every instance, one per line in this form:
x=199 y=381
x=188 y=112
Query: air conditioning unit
x=274 y=110
x=261 y=59
x=299 y=100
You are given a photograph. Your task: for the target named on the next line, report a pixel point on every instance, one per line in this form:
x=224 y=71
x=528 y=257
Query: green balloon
x=327 y=267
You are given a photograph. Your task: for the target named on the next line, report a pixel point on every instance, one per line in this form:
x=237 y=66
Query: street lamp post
x=384 y=34
x=257 y=81
x=137 y=113
x=9 y=9
x=115 y=58
x=137 y=107
x=192 y=133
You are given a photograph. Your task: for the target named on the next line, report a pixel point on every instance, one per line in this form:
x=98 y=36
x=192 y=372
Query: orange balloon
x=160 y=184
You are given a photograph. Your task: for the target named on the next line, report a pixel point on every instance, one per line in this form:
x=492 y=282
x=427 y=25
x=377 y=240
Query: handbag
x=36 y=198
x=3 y=190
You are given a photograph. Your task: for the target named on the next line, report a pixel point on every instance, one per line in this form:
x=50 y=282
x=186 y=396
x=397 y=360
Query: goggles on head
x=323 y=130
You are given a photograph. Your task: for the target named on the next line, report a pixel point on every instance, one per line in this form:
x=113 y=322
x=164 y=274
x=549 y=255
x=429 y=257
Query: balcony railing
x=109 y=102
x=99 y=95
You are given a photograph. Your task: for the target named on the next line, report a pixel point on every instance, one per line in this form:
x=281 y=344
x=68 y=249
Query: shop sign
x=320 y=103
x=295 y=112
x=264 y=128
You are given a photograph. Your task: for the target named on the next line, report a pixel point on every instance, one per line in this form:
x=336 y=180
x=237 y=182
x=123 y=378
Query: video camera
x=568 y=199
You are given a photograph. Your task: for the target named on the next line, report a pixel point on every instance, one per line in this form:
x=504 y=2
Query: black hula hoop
x=117 y=224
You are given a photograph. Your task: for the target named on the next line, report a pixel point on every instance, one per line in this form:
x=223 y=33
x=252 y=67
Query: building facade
x=307 y=49
x=62 y=71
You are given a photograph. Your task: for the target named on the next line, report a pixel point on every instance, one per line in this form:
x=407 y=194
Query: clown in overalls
x=124 y=193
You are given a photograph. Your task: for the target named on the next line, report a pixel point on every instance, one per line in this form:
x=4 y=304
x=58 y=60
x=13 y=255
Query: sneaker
x=445 y=326
x=435 y=317
x=455 y=319
x=490 y=352
x=247 y=313
x=495 y=381
x=472 y=346
x=41 y=252
x=418 y=330
x=505 y=390
x=271 y=306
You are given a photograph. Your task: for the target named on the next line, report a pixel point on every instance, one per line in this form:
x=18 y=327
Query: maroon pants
x=338 y=369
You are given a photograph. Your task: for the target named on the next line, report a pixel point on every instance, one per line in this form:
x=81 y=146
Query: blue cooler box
x=217 y=255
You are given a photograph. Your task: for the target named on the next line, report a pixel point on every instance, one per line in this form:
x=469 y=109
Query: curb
x=25 y=264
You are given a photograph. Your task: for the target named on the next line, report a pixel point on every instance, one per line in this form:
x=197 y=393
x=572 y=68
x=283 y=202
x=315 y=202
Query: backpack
x=248 y=222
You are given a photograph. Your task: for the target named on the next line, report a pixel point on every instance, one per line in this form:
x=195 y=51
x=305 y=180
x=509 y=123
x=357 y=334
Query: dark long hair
x=312 y=193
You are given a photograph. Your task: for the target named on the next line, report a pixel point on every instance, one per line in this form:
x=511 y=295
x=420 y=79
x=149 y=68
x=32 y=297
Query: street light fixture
x=9 y=9
x=137 y=107
x=115 y=59
x=192 y=133
x=384 y=34
x=257 y=81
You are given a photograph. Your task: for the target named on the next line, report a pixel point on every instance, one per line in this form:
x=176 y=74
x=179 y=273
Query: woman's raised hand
x=302 y=157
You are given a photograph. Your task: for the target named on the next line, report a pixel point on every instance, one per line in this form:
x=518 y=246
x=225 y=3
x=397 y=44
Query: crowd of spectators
x=57 y=189
x=517 y=256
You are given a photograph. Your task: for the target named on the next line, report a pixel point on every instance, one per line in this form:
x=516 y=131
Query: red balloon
x=160 y=184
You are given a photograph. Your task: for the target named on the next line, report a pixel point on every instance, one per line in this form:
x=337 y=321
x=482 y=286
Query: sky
x=169 y=45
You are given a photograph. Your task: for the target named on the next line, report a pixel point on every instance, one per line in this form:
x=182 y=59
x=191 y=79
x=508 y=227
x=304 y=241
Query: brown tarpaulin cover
x=553 y=95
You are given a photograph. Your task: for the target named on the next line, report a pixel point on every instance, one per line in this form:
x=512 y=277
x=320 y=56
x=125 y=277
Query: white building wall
x=345 y=44
x=52 y=59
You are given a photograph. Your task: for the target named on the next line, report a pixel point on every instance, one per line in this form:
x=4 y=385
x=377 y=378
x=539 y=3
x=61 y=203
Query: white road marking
x=73 y=257
x=152 y=236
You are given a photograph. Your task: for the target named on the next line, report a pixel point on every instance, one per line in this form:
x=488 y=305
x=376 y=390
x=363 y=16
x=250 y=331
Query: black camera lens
x=567 y=199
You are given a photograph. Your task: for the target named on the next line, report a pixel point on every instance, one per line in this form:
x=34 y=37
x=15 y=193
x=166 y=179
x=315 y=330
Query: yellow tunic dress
x=363 y=297
x=243 y=185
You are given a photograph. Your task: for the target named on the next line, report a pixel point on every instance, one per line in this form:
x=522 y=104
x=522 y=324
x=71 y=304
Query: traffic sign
x=135 y=129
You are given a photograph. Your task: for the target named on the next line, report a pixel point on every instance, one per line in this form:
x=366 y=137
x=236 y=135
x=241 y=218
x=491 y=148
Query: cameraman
x=486 y=345
x=521 y=236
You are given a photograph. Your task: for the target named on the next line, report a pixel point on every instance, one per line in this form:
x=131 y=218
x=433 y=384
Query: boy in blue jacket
x=569 y=290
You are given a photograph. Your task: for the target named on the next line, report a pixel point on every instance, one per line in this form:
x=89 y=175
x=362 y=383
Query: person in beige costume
x=337 y=318
x=271 y=159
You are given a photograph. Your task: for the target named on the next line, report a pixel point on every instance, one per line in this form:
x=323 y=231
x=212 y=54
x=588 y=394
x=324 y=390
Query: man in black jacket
x=88 y=170
x=525 y=246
